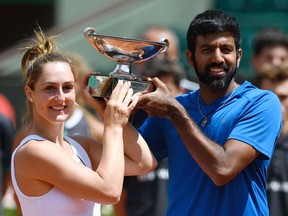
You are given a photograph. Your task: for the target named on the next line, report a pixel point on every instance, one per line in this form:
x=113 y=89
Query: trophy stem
x=121 y=69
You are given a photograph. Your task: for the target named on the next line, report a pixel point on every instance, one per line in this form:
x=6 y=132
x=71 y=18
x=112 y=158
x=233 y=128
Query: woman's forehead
x=57 y=71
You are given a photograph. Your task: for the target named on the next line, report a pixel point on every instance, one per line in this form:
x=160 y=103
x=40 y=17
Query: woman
x=54 y=174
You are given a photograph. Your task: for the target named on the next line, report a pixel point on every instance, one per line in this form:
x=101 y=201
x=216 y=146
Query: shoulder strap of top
x=23 y=142
x=28 y=138
x=79 y=151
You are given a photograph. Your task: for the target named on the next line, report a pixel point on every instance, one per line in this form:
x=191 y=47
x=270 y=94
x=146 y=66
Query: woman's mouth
x=58 y=108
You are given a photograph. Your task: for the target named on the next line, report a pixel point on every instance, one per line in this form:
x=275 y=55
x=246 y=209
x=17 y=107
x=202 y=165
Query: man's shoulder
x=250 y=91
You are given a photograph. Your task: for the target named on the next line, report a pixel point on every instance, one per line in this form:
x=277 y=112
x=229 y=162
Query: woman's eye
x=68 y=88
x=49 y=88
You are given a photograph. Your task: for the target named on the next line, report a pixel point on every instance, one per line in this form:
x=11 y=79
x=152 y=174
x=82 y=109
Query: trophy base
x=102 y=86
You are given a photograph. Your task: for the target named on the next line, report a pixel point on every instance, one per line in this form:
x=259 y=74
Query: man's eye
x=226 y=50
x=282 y=97
x=207 y=50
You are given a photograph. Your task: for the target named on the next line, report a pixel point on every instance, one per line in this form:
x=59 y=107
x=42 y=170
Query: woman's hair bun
x=41 y=46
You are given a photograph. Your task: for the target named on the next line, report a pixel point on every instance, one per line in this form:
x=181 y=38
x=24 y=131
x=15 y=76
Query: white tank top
x=55 y=202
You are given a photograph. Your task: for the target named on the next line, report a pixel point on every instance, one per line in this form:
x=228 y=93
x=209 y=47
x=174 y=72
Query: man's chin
x=218 y=84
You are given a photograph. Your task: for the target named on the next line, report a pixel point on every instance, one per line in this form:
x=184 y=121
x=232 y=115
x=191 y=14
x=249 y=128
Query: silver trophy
x=124 y=51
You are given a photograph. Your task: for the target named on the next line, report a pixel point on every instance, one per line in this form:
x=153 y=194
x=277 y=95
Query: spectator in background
x=275 y=78
x=8 y=116
x=270 y=46
x=170 y=72
x=156 y=34
x=7 y=133
x=7 y=109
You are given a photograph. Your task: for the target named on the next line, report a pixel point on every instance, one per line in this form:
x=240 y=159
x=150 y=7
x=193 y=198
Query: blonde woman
x=54 y=174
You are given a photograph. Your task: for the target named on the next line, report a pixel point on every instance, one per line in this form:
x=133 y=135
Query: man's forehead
x=223 y=37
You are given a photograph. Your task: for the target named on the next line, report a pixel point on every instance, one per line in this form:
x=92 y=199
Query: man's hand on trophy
x=156 y=102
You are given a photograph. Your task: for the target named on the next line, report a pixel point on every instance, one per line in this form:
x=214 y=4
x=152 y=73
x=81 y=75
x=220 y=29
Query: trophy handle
x=89 y=34
x=89 y=31
x=166 y=42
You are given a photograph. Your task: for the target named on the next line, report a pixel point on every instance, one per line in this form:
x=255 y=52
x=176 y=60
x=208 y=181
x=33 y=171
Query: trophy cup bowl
x=125 y=51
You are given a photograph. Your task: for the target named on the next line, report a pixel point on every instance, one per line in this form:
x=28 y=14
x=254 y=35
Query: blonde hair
x=81 y=68
x=42 y=51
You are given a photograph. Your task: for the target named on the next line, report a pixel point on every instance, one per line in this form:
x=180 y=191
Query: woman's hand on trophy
x=120 y=104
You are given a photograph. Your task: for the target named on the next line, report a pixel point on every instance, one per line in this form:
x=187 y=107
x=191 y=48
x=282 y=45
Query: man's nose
x=217 y=56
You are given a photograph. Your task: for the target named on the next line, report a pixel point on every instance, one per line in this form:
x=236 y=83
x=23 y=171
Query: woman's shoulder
x=35 y=154
x=35 y=145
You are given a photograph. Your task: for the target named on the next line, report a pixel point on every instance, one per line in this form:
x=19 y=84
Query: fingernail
x=135 y=96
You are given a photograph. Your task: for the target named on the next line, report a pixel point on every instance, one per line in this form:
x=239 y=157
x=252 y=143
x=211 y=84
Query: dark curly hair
x=212 y=21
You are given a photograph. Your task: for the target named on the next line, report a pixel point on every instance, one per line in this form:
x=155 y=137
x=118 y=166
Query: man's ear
x=189 y=58
x=239 y=56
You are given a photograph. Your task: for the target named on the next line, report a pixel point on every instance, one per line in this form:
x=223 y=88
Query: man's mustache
x=221 y=65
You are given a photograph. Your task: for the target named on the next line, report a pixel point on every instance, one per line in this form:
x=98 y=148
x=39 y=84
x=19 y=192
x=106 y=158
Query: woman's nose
x=60 y=95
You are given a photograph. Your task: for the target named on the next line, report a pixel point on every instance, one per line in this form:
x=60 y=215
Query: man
x=275 y=78
x=219 y=139
x=269 y=47
x=157 y=33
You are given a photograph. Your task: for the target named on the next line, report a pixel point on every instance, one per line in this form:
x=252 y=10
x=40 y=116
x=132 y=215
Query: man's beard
x=216 y=83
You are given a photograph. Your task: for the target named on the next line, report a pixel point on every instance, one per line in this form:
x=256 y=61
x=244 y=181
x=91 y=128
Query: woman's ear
x=28 y=92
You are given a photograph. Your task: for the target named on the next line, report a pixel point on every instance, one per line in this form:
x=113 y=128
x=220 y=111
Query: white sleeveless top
x=55 y=202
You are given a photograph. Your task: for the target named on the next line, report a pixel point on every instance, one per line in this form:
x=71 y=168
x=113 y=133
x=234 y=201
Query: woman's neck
x=51 y=132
